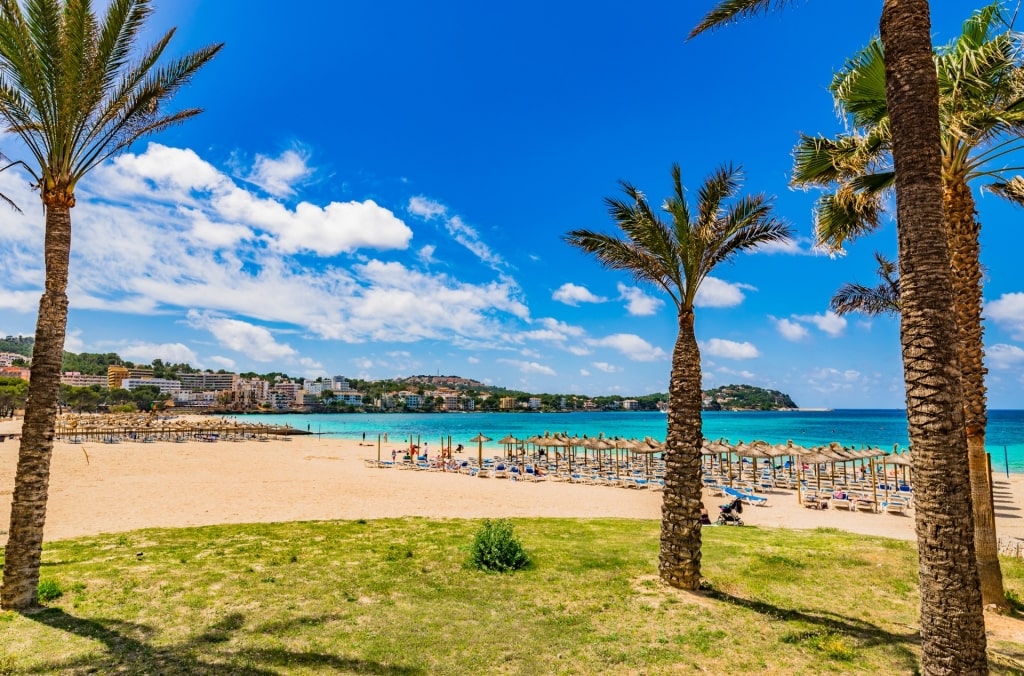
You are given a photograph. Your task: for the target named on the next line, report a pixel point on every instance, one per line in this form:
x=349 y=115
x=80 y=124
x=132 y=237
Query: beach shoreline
x=98 y=488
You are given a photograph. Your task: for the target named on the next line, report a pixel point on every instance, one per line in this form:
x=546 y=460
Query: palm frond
x=845 y=214
x=731 y=11
x=68 y=87
x=872 y=301
x=1011 y=189
x=618 y=254
x=858 y=89
x=678 y=256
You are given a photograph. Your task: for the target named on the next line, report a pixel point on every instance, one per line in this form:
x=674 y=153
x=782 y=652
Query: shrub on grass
x=496 y=548
x=49 y=590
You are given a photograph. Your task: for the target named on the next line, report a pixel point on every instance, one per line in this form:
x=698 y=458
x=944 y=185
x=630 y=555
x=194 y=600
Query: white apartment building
x=76 y=379
x=166 y=386
x=411 y=399
x=197 y=399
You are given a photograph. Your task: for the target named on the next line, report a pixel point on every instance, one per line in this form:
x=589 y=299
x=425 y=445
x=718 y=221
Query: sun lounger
x=895 y=506
x=748 y=498
x=841 y=500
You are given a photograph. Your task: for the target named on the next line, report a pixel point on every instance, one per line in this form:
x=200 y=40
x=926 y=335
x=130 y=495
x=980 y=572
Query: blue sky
x=380 y=189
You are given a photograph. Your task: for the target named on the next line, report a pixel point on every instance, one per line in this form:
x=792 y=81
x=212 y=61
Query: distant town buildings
x=76 y=379
x=8 y=358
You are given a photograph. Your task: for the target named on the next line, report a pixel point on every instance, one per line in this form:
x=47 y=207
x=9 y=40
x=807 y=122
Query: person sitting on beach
x=704 y=518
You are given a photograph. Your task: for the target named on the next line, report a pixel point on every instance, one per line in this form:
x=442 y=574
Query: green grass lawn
x=396 y=597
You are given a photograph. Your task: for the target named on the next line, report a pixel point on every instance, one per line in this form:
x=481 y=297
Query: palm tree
x=982 y=116
x=75 y=91
x=883 y=299
x=952 y=622
x=677 y=256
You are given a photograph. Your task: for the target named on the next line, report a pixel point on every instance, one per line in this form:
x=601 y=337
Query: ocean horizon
x=883 y=428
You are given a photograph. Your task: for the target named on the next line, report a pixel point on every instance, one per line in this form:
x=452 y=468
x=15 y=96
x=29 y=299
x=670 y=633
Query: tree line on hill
x=485 y=397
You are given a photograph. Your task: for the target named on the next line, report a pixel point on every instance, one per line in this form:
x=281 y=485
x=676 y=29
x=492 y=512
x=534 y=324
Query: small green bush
x=496 y=548
x=49 y=590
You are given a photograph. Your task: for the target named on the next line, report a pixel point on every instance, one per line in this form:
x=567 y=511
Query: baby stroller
x=730 y=513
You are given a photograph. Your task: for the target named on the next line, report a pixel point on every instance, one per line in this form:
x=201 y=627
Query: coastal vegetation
x=746 y=398
x=952 y=621
x=735 y=397
x=981 y=117
x=76 y=90
x=676 y=256
x=396 y=597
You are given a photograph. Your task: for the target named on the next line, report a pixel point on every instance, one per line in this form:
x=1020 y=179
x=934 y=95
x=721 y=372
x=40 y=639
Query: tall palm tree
x=883 y=299
x=982 y=116
x=677 y=256
x=952 y=622
x=76 y=90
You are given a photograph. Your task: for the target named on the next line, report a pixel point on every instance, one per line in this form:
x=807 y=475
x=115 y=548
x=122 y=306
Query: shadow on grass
x=869 y=634
x=127 y=650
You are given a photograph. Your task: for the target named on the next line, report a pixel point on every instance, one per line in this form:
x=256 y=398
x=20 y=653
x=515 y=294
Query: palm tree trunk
x=680 y=509
x=31 y=482
x=952 y=623
x=963 y=232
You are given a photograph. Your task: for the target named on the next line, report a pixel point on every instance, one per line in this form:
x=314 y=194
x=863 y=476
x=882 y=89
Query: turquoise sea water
x=882 y=428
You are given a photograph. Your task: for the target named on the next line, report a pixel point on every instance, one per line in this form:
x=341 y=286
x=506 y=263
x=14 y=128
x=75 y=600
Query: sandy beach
x=108 y=488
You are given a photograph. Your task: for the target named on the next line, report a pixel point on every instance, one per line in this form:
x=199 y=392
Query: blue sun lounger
x=745 y=497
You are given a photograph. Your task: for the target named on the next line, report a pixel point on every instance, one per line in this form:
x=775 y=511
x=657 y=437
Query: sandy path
x=103 y=488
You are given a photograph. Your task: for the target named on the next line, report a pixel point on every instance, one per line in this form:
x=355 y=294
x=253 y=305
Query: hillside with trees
x=485 y=397
x=746 y=398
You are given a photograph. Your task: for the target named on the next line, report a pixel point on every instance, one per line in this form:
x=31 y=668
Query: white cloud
x=553 y=331
x=222 y=362
x=584 y=372
x=362 y=363
x=256 y=342
x=631 y=345
x=829 y=323
x=529 y=367
x=1002 y=356
x=578 y=350
x=72 y=341
x=1008 y=313
x=571 y=294
x=639 y=303
x=426 y=208
x=790 y=330
x=278 y=175
x=458 y=229
x=171 y=353
x=746 y=375
x=606 y=367
x=184 y=182
x=729 y=349
x=426 y=254
x=832 y=380
x=795 y=246
x=472 y=360
x=195 y=240
x=714 y=292
x=561 y=327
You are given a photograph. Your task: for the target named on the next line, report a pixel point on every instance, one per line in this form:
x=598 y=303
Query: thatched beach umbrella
x=480 y=439
x=508 y=441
